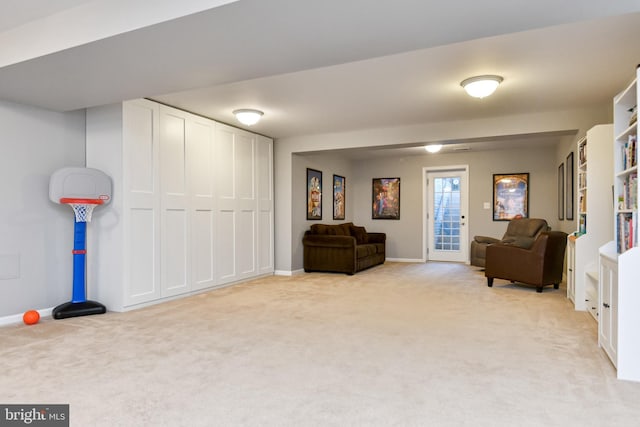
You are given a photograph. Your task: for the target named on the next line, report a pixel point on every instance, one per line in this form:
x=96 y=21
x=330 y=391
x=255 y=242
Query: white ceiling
x=339 y=65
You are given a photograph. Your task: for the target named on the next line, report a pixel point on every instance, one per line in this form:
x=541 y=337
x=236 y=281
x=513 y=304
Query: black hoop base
x=75 y=309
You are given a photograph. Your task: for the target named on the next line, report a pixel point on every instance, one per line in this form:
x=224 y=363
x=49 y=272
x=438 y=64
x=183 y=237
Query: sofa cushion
x=360 y=233
x=331 y=229
x=363 y=251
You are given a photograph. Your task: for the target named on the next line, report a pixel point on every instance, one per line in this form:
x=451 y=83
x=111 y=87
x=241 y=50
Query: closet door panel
x=201 y=184
x=264 y=173
x=245 y=243
x=226 y=247
x=203 y=255
x=174 y=203
x=141 y=262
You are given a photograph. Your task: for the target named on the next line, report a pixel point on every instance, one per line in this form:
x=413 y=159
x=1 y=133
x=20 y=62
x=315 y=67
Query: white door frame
x=425 y=207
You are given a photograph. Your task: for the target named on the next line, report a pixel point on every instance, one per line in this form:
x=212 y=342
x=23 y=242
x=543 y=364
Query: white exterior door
x=447 y=212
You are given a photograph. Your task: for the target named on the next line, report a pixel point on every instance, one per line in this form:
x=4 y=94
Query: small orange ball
x=30 y=317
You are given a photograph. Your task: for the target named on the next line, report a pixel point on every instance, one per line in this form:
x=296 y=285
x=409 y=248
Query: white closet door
x=141 y=250
x=174 y=203
x=237 y=204
x=264 y=172
x=201 y=184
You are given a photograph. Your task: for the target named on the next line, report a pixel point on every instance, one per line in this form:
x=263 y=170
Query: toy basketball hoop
x=83 y=189
x=83 y=208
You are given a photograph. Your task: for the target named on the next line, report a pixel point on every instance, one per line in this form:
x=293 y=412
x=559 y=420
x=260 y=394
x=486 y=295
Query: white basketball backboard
x=80 y=183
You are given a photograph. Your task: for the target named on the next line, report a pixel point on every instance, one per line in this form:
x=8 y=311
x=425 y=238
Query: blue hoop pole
x=79 y=253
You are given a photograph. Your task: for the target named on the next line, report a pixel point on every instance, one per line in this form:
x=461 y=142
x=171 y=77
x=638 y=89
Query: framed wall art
x=339 y=197
x=314 y=194
x=569 y=194
x=561 y=191
x=510 y=196
x=385 y=198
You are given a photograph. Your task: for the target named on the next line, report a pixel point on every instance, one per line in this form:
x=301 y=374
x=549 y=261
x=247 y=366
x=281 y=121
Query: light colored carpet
x=396 y=345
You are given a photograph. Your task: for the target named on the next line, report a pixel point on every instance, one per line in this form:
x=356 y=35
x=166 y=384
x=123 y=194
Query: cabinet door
x=264 y=172
x=141 y=217
x=236 y=204
x=608 y=325
x=174 y=215
x=571 y=282
x=201 y=184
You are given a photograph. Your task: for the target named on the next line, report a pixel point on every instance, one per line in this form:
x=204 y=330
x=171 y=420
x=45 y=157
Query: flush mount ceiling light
x=247 y=116
x=481 y=86
x=433 y=148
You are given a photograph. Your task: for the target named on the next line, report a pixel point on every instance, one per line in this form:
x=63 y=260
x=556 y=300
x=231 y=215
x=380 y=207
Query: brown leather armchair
x=541 y=265
x=520 y=232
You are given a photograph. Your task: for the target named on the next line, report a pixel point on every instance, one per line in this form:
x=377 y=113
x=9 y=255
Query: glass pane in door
x=446 y=213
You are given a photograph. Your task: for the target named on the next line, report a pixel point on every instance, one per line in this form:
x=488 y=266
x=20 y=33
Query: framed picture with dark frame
x=385 y=197
x=510 y=196
x=314 y=194
x=339 y=197
x=569 y=194
x=561 y=191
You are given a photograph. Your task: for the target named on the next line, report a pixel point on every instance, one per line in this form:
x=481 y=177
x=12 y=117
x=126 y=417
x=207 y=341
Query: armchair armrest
x=485 y=239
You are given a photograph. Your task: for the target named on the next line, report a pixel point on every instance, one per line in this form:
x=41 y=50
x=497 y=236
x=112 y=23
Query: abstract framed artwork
x=561 y=191
x=314 y=194
x=510 y=196
x=385 y=198
x=339 y=197
x=569 y=194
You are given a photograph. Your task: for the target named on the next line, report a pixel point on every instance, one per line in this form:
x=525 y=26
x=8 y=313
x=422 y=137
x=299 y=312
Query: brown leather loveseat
x=342 y=248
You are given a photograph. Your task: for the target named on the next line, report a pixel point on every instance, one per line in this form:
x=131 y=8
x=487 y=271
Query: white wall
x=288 y=257
x=329 y=164
x=404 y=236
x=36 y=235
x=603 y=115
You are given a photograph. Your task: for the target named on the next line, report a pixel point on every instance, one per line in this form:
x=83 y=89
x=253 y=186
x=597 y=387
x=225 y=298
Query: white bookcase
x=620 y=258
x=595 y=178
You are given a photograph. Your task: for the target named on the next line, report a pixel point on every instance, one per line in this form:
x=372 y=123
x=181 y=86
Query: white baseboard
x=17 y=318
x=288 y=273
x=404 y=260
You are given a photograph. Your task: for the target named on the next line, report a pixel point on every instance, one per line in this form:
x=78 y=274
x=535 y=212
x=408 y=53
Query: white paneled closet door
x=174 y=203
x=202 y=183
x=264 y=172
x=141 y=251
x=237 y=204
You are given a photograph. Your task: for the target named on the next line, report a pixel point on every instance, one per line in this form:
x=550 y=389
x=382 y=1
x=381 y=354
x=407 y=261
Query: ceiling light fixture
x=247 y=116
x=433 y=148
x=481 y=86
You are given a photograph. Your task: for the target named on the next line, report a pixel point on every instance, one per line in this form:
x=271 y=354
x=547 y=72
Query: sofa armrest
x=319 y=240
x=485 y=239
x=377 y=237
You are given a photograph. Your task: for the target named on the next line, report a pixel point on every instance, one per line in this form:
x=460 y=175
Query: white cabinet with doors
x=160 y=237
x=608 y=325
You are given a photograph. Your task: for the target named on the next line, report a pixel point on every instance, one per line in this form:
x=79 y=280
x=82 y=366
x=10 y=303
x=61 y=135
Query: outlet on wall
x=486 y=205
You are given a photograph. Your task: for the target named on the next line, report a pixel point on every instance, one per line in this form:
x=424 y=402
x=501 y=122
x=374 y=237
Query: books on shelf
x=629 y=159
x=627 y=233
x=582 y=226
x=582 y=154
x=629 y=197
x=582 y=180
